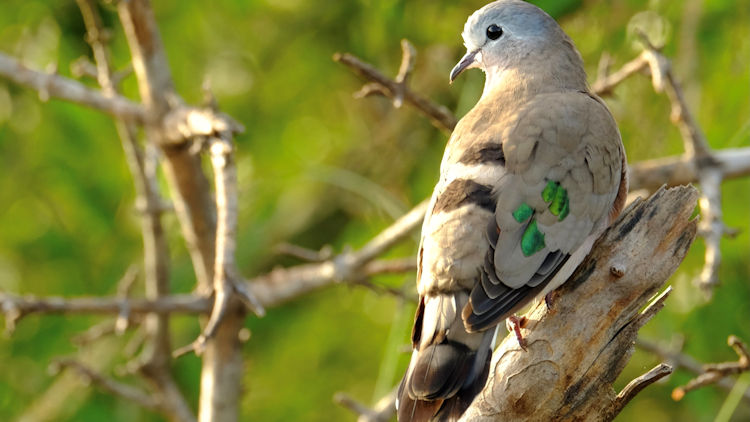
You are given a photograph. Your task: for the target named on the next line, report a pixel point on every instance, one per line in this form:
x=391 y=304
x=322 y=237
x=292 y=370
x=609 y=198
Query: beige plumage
x=530 y=178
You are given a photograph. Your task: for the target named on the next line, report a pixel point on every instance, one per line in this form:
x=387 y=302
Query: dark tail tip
x=411 y=409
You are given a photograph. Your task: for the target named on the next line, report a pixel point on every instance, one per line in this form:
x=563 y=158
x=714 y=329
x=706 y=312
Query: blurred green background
x=318 y=167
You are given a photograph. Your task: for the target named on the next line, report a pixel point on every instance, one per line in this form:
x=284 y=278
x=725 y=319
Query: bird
x=531 y=176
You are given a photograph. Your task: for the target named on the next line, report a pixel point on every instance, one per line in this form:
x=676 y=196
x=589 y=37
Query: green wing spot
x=565 y=209
x=549 y=192
x=560 y=205
x=532 y=240
x=523 y=212
x=557 y=196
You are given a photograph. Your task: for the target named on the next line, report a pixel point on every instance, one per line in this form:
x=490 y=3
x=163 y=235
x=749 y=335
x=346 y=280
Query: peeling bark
x=577 y=349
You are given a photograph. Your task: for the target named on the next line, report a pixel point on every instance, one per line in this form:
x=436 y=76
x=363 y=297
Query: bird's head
x=510 y=34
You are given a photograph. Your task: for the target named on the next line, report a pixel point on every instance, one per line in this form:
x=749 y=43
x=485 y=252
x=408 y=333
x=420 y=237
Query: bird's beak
x=468 y=61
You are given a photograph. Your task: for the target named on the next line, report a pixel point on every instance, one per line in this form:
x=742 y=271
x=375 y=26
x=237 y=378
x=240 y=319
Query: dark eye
x=494 y=32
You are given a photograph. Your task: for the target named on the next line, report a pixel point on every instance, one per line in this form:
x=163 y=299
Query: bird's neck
x=528 y=78
x=522 y=84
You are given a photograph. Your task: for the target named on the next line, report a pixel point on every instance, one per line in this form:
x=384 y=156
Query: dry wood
x=683 y=361
x=52 y=85
x=397 y=91
x=713 y=373
x=577 y=349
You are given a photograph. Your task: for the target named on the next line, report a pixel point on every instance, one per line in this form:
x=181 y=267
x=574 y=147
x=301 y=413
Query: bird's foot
x=515 y=324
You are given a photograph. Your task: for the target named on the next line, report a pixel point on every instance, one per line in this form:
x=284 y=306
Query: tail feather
x=440 y=370
x=448 y=366
x=453 y=408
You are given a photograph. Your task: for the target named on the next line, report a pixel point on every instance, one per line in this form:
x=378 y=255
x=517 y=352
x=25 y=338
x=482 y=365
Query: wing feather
x=560 y=184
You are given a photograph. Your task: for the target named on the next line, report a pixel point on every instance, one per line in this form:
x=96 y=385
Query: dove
x=530 y=177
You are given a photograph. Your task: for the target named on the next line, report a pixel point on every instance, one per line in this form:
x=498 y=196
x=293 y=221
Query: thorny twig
x=52 y=85
x=679 y=360
x=382 y=411
x=124 y=288
x=226 y=281
x=272 y=289
x=283 y=284
x=637 y=385
x=709 y=170
x=397 y=90
x=408 y=57
x=153 y=363
x=107 y=384
x=712 y=373
x=305 y=254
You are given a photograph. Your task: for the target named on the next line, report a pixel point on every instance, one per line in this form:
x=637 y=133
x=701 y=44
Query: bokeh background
x=318 y=167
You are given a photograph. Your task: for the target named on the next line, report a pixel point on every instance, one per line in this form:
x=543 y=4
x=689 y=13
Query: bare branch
x=305 y=254
x=383 y=410
x=712 y=227
x=185 y=123
x=56 y=86
x=408 y=57
x=663 y=78
x=82 y=67
x=107 y=384
x=283 y=284
x=225 y=270
x=439 y=115
x=195 y=208
x=637 y=385
x=683 y=361
x=390 y=266
x=124 y=287
x=94 y=333
x=193 y=203
x=605 y=83
x=699 y=160
x=154 y=362
x=380 y=289
x=20 y=306
x=713 y=373
x=272 y=289
x=681 y=170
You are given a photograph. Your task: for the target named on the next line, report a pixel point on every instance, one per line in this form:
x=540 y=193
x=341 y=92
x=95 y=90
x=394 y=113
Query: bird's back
x=529 y=179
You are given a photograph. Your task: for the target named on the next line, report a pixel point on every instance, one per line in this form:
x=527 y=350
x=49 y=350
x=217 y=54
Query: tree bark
x=577 y=349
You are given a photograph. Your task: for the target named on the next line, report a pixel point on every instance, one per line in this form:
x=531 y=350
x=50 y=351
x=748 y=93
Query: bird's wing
x=564 y=165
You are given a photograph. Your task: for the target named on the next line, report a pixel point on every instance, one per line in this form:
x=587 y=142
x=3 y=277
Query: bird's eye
x=494 y=32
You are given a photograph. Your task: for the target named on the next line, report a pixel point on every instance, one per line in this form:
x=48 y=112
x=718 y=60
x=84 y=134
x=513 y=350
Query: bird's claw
x=515 y=324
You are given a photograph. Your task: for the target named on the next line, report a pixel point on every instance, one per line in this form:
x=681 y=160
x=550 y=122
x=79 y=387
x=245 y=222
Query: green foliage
x=318 y=167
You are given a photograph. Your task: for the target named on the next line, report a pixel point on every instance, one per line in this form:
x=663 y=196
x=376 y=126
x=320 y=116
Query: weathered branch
x=107 y=384
x=606 y=82
x=569 y=377
x=637 y=385
x=16 y=307
x=154 y=363
x=383 y=411
x=283 y=284
x=56 y=86
x=193 y=202
x=683 y=361
x=681 y=170
x=195 y=208
x=396 y=90
x=713 y=373
x=709 y=171
x=271 y=289
x=226 y=274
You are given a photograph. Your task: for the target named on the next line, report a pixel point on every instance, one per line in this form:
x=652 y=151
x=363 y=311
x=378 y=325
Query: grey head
x=513 y=34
